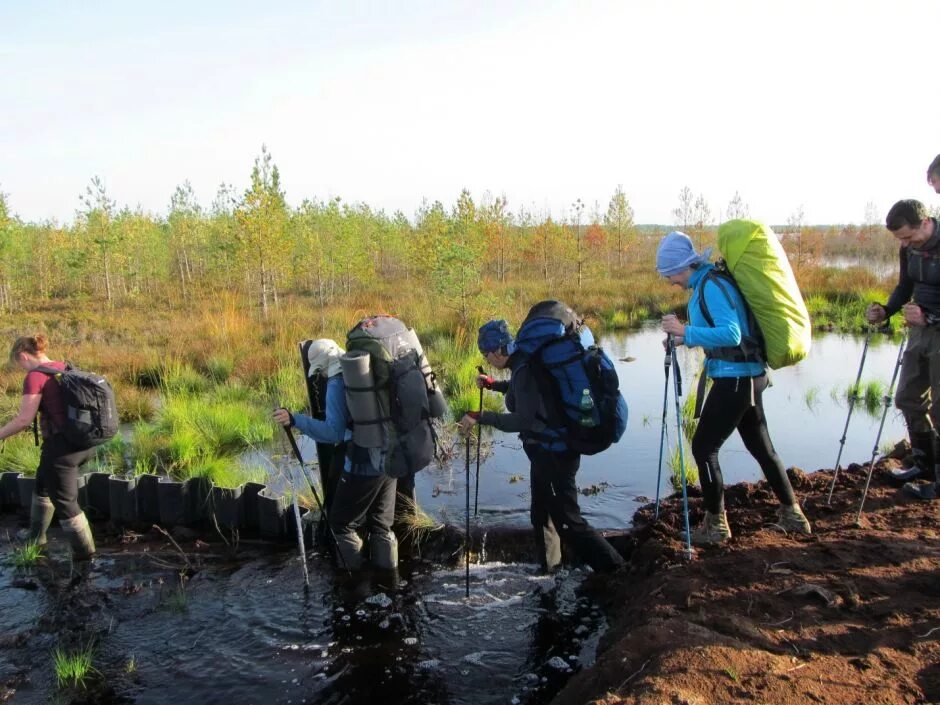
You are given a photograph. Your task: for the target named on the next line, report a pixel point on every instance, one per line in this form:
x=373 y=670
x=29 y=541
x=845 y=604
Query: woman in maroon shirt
x=57 y=474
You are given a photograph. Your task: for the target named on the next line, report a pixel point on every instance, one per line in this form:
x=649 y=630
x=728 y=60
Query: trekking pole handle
x=677 y=373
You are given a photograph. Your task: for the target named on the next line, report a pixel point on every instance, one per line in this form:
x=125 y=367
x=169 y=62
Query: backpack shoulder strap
x=716 y=277
x=51 y=371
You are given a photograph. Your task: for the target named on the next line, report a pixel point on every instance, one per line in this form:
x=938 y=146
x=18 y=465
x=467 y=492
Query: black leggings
x=57 y=475
x=728 y=407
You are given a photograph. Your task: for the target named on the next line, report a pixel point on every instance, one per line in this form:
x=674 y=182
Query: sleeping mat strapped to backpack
x=392 y=394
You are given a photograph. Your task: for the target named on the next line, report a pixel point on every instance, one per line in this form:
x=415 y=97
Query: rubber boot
x=714 y=529
x=922 y=450
x=79 y=533
x=40 y=517
x=349 y=547
x=792 y=520
x=383 y=548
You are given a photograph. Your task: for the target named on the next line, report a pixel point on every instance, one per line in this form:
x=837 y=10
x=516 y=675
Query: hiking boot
x=713 y=530
x=930 y=490
x=923 y=457
x=792 y=520
x=80 y=538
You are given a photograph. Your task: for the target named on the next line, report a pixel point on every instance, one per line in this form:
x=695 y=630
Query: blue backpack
x=585 y=407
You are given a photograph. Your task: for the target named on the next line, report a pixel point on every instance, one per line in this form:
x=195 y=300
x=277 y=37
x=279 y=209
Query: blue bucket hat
x=495 y=335
x=676 y=253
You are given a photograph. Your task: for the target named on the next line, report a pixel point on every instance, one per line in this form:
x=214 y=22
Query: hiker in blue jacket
x=554 y=510
x=364 y=494
x=735 y=363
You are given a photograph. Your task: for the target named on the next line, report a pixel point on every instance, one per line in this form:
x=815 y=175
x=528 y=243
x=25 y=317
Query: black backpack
x=91 y=416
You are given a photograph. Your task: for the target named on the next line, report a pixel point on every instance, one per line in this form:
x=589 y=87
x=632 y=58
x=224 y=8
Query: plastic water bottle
x=586 y=405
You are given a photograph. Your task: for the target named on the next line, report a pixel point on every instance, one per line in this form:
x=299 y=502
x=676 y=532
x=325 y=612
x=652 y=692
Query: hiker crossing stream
x=806 y=407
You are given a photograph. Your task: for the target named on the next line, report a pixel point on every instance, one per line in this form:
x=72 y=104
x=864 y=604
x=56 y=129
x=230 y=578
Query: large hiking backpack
x=91 y=416
x=756 y=260
x=752 y=347
x=585 y=408
x=392 y=394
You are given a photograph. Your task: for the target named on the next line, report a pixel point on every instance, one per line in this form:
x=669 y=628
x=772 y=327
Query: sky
x=822 y=105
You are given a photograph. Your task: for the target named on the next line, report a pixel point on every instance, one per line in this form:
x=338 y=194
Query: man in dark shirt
x=554 y=506
x=917 y=297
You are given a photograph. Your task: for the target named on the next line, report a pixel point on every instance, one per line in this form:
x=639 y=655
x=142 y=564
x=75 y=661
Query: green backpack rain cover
x=760 y=267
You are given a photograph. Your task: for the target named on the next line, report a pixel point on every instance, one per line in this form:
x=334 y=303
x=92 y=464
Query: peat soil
x=850 y=614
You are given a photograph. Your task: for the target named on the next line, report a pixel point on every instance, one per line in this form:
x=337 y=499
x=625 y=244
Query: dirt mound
x=848 y=615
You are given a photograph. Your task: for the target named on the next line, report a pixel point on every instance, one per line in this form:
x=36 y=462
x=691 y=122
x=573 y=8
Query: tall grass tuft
x=875 y=391
x=675 y=467
x=689 y=422
x=417 y=524
x=27 y=555
x=73 y=668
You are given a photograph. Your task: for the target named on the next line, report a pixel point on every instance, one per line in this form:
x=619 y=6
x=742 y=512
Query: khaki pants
x=918 y=395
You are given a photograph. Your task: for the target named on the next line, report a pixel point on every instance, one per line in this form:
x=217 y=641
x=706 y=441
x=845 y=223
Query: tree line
x=253 y=242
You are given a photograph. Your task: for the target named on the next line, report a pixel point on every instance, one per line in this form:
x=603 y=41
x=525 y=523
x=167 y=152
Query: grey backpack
x=392 y=394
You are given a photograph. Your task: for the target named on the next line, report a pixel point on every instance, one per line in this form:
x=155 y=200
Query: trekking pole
x=677 y=382
x=476 y=494
x=662 y=434
x=316 y=495
x=300 y=530
x=853 y=397
x=887 y=401
x=467 y=550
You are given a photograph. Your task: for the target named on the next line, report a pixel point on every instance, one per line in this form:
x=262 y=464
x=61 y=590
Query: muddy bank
x=848 y=615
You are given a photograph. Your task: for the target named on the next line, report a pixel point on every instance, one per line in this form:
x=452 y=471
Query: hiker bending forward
x=554 y=509
x=364 y=495
x=56 y=489
x=917 y=297
x=734 y=362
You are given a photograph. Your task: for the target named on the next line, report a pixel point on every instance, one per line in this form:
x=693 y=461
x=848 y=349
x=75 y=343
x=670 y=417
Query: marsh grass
x=198 y=381
x=177 y=598
x=229 y=473
x=193 y=431
x=886 y=447
x=689 y=422
x=134 y=404
x=19 y=453
x=875 y=391
x=675 y=467
x=416 y=523
x=869 y=395
x=811 y=398
x=74 y=668
x=27 y=555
